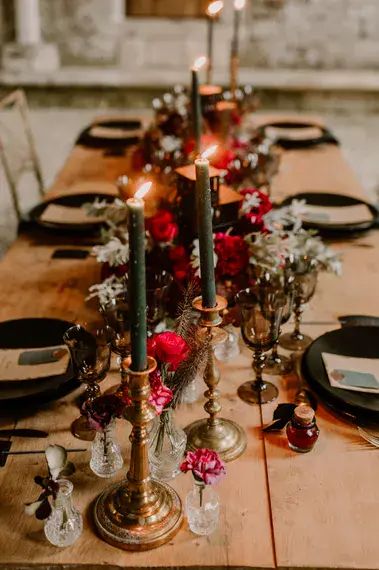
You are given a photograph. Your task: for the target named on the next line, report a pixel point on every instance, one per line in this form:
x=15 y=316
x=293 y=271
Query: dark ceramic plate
x=339 y=200
x=35 y=333
x=74 y=201
x=289 y=143
x=86 y=138
x=361 y=341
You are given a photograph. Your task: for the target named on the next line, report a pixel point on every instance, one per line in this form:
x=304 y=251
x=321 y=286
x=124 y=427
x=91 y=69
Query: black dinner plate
x=86 y=137
x=74 y=201
x=289 y=143
x=35 y=333
x=361 y=342
x=336 y=200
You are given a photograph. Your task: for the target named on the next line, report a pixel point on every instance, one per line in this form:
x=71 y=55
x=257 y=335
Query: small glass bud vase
x=203 y=509
x=106 y=458
x=167 y=443
x=65 y=523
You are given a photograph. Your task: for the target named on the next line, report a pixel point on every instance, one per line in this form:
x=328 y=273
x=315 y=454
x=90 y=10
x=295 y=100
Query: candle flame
x=209 y=151
x=199 y=62
x=239 y=4
x=214 y=8
x=143 y=190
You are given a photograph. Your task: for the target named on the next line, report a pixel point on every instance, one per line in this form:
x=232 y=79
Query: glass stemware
x=117 y=316
x=90 y=350
x=157 y=286
x=277 y=364
x=305 y=281
x=261 y=308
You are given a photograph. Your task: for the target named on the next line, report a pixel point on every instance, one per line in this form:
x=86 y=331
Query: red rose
x=168 y=348
x=162 y=227
x=102 y=410
x=232 y=253
x=205 y=464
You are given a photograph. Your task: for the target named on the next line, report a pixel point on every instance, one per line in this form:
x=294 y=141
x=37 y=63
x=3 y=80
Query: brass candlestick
x=224 y=436
x=138 y=513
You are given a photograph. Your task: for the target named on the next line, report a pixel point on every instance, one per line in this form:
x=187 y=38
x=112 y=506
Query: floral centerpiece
x=202 y=503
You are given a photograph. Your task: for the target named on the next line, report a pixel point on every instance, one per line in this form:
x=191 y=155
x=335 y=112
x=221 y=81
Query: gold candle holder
x=222 y=435
x=138 y=513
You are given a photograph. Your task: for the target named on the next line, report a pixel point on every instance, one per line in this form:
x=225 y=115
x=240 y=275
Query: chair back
x=17 y=146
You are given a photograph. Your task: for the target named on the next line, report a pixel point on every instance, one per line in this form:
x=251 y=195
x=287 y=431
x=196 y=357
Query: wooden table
x=279 y=509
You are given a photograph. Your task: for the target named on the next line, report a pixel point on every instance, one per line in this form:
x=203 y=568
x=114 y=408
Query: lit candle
x=205 y=230
x=214 y=8
x=137 y=278
x=234 y=57
x=196 y=103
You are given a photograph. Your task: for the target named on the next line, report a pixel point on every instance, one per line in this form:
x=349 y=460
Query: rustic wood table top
x=278 y=508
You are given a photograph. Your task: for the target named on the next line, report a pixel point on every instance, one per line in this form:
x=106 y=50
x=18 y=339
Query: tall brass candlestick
x=138 y=513
x=223 y=435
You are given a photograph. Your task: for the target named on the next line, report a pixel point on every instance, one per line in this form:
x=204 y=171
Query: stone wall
x=324 y=34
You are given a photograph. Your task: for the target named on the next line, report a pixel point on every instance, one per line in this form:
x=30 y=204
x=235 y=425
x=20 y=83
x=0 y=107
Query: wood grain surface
x=278 y=508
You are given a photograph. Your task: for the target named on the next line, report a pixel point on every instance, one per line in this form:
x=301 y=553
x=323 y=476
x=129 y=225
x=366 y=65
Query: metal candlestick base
x=257 y=393
x=138 y=513
x=220 y=434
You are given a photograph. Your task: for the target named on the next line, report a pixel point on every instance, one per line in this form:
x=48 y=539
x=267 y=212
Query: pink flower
x=205 y=464
x=168 y=348
x=160 y=395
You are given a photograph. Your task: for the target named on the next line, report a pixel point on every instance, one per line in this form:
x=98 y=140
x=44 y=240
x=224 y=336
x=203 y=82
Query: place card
x=58 y=214
x=343 y=215
x=351 y=373
x=28 y=364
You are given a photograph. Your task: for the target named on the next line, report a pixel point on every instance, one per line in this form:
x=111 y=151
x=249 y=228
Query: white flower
x=56 y=457
x=250 y=201
x=195 y=257
x=114 y=252
x=170 y=143
x=107 y=290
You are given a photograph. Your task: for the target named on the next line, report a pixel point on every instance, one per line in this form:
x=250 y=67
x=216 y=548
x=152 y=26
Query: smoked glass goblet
x=157 y=287
x=90 y=350
x=261 y=308
x=305 y=281
x=277 y=364
x=117 y=316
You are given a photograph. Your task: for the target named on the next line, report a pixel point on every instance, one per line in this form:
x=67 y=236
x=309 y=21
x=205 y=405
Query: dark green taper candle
x=205 y=231
x=137 y=279
x=196 y=104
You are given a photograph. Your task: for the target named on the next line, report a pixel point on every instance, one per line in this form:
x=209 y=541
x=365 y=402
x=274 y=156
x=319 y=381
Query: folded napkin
x=27 y=364
x=58 y=214
x=351 y=373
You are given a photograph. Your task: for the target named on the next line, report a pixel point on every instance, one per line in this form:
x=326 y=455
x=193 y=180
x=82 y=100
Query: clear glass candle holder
x=65 y=524
x=203 y=509
x=106 y=458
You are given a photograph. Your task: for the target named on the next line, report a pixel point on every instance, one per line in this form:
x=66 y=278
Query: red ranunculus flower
x=181 y=267
x=168 y=348
x=102 y=410
x=162 y=227
x=232 y=253
x=205 y=464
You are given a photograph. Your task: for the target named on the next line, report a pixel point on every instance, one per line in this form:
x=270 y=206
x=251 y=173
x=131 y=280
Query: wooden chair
x=17 y=149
